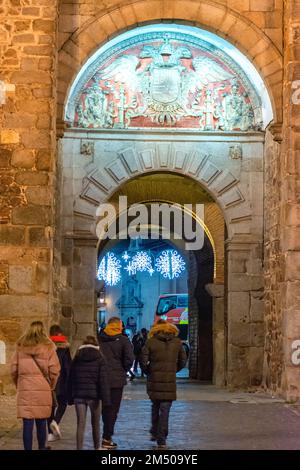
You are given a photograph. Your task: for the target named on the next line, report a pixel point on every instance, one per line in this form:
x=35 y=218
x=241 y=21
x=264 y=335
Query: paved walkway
x=203 y=418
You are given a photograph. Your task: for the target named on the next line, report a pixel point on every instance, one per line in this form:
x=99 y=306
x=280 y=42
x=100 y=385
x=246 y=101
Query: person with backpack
x=61 y=389
x=35 y=369
x=88 y=387
x=118 y=352
x=161 y=357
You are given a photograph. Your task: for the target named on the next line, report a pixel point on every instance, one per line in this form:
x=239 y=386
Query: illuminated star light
x=109 y=270
x=125 y=256
x=170 y=264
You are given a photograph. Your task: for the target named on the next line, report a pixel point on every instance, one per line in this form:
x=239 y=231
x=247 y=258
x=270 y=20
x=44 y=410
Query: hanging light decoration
x=142 y=261
x=109 y=270
x=170 y=264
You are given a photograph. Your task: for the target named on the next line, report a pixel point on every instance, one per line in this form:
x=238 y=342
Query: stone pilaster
x=27 y=169
x=244 y=319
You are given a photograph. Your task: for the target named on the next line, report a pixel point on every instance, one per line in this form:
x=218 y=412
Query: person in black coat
x=88 y=384
x=118 y=352
x=61 y=389
x=162 y=356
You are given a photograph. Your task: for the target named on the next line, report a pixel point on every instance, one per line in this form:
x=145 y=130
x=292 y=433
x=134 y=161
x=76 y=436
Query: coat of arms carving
x=166 y=83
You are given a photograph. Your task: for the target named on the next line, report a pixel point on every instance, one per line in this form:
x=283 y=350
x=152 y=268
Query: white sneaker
x=55 y=429
x=52 y=437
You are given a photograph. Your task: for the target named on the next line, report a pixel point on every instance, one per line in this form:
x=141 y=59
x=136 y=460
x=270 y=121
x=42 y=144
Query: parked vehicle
x=174 y=309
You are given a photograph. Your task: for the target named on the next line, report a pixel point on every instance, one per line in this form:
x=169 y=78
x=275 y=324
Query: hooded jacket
x=161 y=357
x=34 y=398
x=118 y=353
x=88 y=375
x=65 y=360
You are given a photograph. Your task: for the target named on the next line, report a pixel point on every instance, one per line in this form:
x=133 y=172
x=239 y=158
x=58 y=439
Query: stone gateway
x=182 y=102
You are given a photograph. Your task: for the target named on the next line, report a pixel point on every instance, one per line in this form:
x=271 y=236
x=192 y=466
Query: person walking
x=161 y=357
x=139 y=341
x=61 y=389
x=118 y=352
x=35 y=369
x=88 y=386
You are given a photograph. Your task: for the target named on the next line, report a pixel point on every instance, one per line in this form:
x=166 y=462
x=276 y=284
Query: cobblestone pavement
x=203 y=418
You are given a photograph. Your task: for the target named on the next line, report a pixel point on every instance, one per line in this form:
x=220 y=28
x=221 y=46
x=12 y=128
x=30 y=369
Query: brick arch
x=209 y=15
x=99 y=184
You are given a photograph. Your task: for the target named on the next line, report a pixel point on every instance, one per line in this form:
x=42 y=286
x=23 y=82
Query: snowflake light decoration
x=109 y=270
x=170 y=264
x=141 y=261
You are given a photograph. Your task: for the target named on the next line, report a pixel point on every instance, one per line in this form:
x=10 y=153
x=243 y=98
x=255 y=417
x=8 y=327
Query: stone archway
x=95 y=166
x=227 y=162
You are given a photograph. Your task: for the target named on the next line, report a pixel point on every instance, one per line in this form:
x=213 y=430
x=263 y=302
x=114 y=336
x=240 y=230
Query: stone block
x=43 y=159
x=10 y=330
x=5 y=156
x=31 y=215
x=39 y=195
x=22 y=305
x=239 y=334
x=36 y=139
x=257 y=309
x=47 y=26
x=42 y=277
x=23 y=158
x=85 y=255
x=32 y=178
x=255 y=359
x=37 y=236
x=20 y=279
x=84 y=296
x=8 y=136
x=239 y=282
x=84 y=277
x=239 y=307
x=12 y=235
x=257 y=334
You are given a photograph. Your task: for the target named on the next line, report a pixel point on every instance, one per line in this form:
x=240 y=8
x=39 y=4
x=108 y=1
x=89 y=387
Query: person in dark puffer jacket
x=88 y=384
x=161 y=357
x=61 y=389
x=118 y=352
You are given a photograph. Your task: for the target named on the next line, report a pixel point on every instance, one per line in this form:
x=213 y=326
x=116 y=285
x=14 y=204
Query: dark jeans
x=160 y=420
x=41 y=432
x=81 y=406
x=110 y=413
x=57 y=412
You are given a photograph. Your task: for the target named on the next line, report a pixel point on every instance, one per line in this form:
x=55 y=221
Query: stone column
x=84 y=289
x=245 y=312
x=217 y=293
x=289 y=289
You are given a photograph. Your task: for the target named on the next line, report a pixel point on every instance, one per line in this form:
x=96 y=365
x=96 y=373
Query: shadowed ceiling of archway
x=163 y=187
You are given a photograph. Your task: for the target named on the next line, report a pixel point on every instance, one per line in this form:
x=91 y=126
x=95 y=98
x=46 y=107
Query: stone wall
x=290 y=219
x=27 y=143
